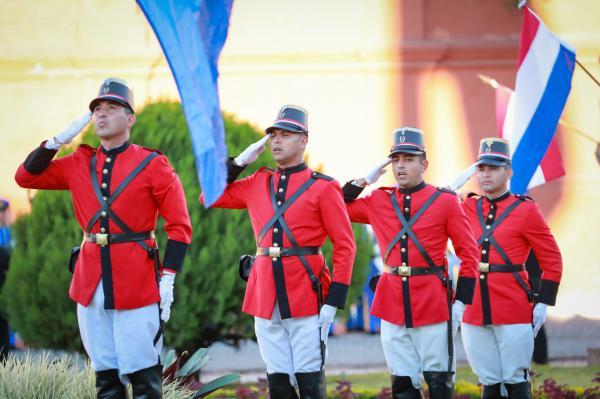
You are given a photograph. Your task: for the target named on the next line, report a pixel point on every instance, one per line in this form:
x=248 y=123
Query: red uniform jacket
x=427 y=300
x=128 y=271
x=318 y=213
x=523 y=229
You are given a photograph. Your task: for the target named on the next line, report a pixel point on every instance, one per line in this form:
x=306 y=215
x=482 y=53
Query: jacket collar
x=116 y=150
x=500 y=198
x=414 y=189
x=293 y=169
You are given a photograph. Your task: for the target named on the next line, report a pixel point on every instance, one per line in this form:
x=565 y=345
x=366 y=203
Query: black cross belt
x=500 y=268
x=277 y=252
x=107 y=239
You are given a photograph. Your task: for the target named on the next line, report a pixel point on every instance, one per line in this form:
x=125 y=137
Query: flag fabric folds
x=551 y=166
x=543 y=83
x=192 y=34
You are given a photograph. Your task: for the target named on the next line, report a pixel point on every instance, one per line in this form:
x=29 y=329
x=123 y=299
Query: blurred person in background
x=5 y=244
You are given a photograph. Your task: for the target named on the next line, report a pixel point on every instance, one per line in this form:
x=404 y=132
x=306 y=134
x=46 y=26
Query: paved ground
x=358 y=352
x=355 y=352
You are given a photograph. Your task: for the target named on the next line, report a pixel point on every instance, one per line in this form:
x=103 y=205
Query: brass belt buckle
x=484 y=267
x=404 y=271
x=102 y=239
x=275 y=252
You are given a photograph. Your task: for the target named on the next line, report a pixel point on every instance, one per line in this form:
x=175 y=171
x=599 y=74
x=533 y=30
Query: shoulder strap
x=313 y=279
x=131 y=176
x=279 y=211
x=105 y=205
x=500 y=219
x=319 y=175
x=407 y=226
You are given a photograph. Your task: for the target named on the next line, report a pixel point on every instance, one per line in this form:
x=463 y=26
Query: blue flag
x=192 y=34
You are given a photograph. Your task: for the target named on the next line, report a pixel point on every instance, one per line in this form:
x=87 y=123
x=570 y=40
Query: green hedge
x=208 y=293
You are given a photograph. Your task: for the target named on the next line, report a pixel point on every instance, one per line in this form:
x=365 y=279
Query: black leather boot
x=312 y=385
x=440 y=384
x=280 y=387
x=109 y=386
x=522 y=390
x=402 y=388
x=147 y=383
x=492 y=391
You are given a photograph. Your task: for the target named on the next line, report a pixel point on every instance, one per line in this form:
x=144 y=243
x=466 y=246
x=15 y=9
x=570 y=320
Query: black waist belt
x=277 y=252
x=107 y=239
x=505 y=268
x=408 y=271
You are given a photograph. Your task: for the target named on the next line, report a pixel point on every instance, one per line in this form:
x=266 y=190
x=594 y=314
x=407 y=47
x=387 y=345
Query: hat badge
x=105 y=90
x=488 y=145
x=402 y=138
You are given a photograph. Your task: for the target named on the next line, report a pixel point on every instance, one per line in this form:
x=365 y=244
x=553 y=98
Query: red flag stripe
x=528 y=32
x=552 y=165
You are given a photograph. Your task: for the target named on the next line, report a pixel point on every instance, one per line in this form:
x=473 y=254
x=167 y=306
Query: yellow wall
x=337 y=58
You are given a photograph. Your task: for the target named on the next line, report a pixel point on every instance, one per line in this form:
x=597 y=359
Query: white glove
x=463 y=177
x=326 y=316
x=252 y=152
x=539 y=317
x=458 y=308
x=165 y=287
x=374 y=174
x=67 y=135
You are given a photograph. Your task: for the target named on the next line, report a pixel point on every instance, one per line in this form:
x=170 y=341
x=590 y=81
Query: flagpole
x=493 y=83
x=586 y=71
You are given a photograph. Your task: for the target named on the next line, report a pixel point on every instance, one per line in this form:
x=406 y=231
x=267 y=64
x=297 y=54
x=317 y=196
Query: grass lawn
x=572 y=376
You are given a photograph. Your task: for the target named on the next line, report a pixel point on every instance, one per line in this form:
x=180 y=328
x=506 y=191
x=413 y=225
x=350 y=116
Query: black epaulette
x=265 y=169
x=446 y=190
x=318 y=175
x=525 y=198
x=471 y=195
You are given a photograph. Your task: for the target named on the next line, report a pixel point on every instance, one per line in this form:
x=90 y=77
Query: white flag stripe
x=507 y=130
x=532 y=78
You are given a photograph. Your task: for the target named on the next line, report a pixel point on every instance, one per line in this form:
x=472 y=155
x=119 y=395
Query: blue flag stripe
x=541 y=128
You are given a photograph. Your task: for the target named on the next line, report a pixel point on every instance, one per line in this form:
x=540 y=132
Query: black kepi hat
x=114 y=89
x=291 y=118
x=494 y=151
x=408 y=140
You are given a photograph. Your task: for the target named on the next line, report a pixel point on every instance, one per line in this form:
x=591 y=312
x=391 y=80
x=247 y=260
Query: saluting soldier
x=412 y=224
x=290 y=291
x=118 y=191
x=496 y=329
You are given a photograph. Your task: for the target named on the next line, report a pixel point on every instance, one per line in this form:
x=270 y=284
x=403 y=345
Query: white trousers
x=499 y=353
x=290 y=345
x=410 y=351
x=119 y=339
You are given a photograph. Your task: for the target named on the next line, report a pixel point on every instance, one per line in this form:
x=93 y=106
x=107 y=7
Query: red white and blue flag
x=528 y=117
x=551 y=167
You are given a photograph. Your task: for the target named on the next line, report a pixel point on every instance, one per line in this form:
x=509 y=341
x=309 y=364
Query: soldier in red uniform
x=496 y=329
x=290 y=291
x=412 y=224
x=118 y=191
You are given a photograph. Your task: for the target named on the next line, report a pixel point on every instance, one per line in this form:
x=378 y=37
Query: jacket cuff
x=233 y=170
x=337 y=295
x=351 y=191
x=174 y=255
x=39 y=159
x=465 y=288
x=548 y=291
